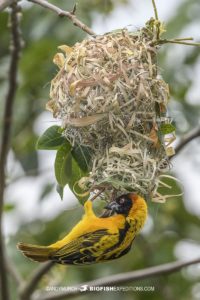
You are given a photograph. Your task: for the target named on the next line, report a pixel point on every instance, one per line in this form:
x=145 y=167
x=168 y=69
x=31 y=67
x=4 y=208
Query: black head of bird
x=122 y=204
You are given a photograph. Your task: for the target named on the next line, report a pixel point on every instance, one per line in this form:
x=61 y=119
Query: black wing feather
x=80 y=251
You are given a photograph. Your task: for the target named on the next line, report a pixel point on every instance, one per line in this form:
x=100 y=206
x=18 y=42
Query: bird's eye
x=122 y=200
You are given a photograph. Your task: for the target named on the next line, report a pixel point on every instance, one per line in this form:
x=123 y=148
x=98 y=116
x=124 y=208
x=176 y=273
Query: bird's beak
x=112 y=206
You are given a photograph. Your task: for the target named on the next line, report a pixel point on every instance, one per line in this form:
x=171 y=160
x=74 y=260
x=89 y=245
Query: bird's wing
x=85 y=249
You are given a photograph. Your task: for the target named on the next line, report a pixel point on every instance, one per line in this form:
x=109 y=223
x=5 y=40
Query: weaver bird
x=96 y=239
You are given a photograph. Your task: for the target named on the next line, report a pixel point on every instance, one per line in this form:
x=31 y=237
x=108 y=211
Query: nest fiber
x=109 y=96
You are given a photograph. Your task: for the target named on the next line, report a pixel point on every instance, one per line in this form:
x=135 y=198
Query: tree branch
x=114 y=280
x=186 y=139
x=5 y=3
x=29 y=287
x=6 y=132
x=62 y=13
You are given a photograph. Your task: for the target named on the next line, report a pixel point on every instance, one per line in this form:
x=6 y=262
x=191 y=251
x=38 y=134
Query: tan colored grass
x=110 y=97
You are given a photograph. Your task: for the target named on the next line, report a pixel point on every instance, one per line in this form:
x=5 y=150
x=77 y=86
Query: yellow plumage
x=95 y=239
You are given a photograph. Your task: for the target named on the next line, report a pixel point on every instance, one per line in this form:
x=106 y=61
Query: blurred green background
x=33 y=211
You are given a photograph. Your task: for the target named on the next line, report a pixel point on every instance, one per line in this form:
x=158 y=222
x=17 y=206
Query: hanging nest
x=110 y=97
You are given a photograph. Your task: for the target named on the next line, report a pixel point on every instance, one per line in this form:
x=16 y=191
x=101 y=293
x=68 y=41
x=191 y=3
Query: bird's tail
x=34 y=252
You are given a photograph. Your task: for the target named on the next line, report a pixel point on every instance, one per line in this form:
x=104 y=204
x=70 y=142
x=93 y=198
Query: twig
x=62 y=13
x=155 y=10
x=6 y=132
x=188 y=138
x=158 y=41
x=29 y=287
x=175 y=41
x=5 y=3
x=158 y=24
x=185 y=39
x=114 y=280
x=74 y=9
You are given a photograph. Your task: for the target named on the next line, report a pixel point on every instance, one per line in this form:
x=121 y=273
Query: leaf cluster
x=71 y=162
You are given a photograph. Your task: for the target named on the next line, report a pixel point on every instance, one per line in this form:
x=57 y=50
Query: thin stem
x=62 y=13
x=155 y=10
x=15 y=49
x=175 y=41
x=157 y=23
x=187 y=139
x=184 y=39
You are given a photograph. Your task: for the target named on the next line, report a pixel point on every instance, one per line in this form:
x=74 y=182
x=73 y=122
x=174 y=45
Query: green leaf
x=167 y=128
x=8 y=207
x=47 y=188
x=63 y=164
x=60 y=190
x=68 y=171
x=51 y=139
x=82 y=156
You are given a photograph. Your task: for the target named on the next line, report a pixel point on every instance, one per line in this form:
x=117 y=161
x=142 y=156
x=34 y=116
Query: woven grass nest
x=110 y=97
